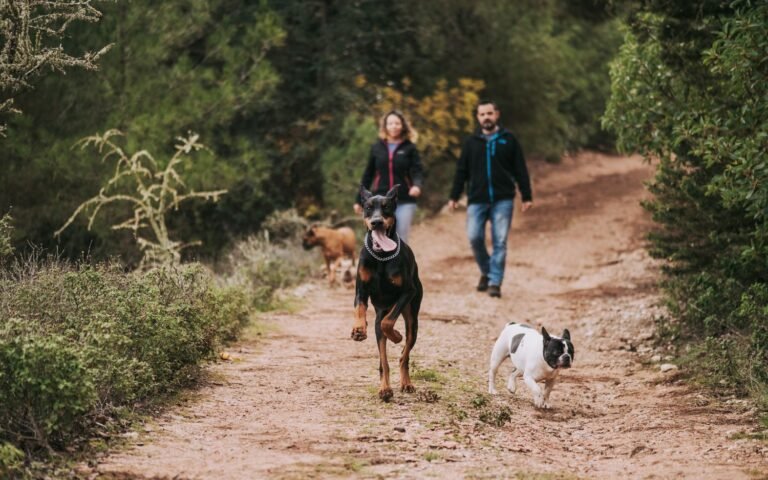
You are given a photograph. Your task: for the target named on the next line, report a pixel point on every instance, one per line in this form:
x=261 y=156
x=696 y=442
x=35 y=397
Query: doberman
x=388 y=274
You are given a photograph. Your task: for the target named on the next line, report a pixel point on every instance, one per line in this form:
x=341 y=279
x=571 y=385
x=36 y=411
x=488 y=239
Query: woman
x=394 y=160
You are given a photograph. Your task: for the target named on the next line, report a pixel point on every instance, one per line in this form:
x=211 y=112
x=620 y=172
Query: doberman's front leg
x=411 y=327
x=360 y=327
x=385 y=390
x=388 y=323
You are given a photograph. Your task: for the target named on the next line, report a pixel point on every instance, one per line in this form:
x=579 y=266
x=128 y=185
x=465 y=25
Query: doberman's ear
x=364 y=194
x=545 y=334
x=392 y=193
x=566 y=334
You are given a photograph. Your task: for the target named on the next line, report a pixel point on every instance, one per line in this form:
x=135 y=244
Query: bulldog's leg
x=498 y=355
x=512 y=382
x=538 y=397
x=547 y=390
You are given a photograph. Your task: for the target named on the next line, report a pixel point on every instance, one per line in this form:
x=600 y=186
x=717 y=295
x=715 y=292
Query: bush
x=267 y=262
x=11 y=461
x=686 y=89
x=77 y=343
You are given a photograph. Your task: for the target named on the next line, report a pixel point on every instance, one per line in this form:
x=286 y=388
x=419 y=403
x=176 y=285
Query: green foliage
x=6 y=246
x=545 y=63
x=686 y=89
x=11 y=461
x=273 y=89
x=78 y=343
x=190 y=66
x=263 y=264
x=30 y=34
x=343 y=163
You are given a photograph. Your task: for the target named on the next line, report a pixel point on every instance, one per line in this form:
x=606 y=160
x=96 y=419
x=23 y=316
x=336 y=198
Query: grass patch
x=432 y=456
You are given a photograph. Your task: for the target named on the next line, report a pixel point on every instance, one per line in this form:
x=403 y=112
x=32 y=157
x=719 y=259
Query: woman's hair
x=408 y=132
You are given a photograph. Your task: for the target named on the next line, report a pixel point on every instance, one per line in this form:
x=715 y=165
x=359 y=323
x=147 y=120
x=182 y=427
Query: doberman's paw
x=385 y=394
x=407 y=388
x=359 y=334
x=394 y=336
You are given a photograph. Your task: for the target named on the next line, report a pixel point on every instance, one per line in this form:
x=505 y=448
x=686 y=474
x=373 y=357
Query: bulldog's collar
x=374 y=255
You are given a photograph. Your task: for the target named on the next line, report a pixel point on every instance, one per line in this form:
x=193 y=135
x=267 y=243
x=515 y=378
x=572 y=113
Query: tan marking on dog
x=396 y=280
x=364 y=274
x=389 y=222
x=360 y=327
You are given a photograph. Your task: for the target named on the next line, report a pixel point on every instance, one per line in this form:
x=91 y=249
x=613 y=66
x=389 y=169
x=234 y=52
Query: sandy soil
x=302 y=402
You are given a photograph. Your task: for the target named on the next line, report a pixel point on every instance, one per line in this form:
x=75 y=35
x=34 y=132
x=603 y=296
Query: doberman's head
x=310 y=237
x=378 y=210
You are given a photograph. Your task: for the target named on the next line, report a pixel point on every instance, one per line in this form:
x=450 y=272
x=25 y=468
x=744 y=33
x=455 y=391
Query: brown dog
x=336 y=244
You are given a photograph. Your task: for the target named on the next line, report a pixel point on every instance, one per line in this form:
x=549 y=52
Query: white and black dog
x=537 y=357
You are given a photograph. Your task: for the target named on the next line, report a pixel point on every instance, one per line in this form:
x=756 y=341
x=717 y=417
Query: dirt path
x=303 y=403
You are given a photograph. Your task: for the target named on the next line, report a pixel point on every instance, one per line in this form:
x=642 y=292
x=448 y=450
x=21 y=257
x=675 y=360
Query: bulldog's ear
x=365 y=194
x=392 y=193
x=545 y=334
x=566 y=334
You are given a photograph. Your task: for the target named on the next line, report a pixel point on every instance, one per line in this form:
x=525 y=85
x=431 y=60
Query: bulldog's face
x=379 y=211
x=558 y=352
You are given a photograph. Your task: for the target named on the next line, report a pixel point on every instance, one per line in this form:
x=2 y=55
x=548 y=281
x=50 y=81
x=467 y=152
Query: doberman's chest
x=387 y=278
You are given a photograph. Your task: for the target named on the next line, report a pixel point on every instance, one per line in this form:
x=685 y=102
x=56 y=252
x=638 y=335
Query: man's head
x=488 y=115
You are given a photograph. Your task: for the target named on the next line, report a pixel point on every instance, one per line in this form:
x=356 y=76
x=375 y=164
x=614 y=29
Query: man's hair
x=408 y=132
x=486 y=101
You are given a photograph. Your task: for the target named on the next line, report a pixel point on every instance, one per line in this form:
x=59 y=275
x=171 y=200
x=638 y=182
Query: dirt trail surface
x=302 y=403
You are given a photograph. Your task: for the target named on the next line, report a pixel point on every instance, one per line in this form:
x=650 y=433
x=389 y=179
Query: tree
x=193 y=65
x=29 y=30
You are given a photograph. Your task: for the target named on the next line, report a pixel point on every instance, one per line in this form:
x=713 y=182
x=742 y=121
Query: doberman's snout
x=377 y=223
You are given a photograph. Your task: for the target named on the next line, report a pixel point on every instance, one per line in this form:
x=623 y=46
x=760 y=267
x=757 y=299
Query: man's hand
x=452 y=204
x=358 y=208
x=414 y=191
x=526 y=206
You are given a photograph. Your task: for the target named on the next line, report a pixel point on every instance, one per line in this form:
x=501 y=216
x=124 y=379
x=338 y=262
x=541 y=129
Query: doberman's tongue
x=382 y=242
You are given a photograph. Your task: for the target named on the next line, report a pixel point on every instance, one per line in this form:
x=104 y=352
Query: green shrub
x=77 y=343
x=44 y=387
x=263 y=266
x=686 y=89
x=11 y=461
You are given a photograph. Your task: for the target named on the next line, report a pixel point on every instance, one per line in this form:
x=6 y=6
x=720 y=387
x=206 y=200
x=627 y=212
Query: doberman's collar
x=381 y=259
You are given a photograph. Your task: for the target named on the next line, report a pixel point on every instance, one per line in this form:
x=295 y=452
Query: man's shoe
x=482 y=285
x=494 y=291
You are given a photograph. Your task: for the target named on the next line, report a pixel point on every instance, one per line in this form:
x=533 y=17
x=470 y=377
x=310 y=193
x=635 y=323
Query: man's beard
x=489 y=125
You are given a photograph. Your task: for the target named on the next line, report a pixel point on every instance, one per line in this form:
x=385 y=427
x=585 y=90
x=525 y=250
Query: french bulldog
x=537 y=357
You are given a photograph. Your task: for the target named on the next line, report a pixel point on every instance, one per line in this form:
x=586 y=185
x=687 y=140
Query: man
x=493 y=164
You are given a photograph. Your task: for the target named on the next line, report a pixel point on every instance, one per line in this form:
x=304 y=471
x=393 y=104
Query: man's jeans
x=404 y=216
x=500 y=215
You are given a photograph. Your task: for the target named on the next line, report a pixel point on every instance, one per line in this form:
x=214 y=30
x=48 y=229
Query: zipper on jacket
x=490 y=151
